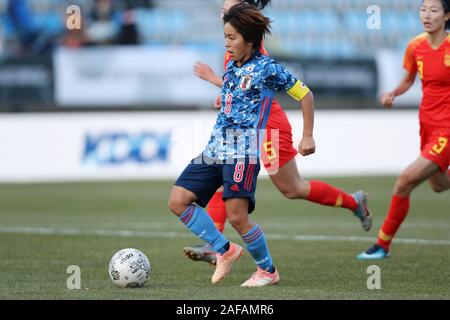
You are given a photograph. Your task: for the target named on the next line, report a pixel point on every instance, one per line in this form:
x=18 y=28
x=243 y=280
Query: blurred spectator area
x=38 y=26
x=326 y=28
x=319 y=28
x=31 y=25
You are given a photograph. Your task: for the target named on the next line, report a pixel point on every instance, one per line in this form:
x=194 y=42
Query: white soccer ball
x=129 y=268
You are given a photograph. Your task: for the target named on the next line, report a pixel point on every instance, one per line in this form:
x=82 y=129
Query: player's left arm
x=281 y=79
x=301 y=92
x=307 y=145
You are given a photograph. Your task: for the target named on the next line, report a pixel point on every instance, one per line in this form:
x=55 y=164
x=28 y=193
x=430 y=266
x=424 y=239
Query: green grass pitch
x=44 y=228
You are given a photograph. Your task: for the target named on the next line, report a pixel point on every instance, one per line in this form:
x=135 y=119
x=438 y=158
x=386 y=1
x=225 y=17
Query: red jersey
x=433 y=66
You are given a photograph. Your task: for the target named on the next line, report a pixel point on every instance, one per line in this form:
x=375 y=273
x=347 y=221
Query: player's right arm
x=410 y=65
x=204 y=71
x=387 y=99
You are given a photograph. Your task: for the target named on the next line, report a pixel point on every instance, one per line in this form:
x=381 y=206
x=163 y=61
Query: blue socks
x=199 y=222
x=257 y=246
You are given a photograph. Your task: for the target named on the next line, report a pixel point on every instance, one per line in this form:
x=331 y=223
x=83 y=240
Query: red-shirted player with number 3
x=429 y=56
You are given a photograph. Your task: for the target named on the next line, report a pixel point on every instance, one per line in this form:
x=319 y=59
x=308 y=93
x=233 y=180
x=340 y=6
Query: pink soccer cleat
x=262 y=278
x=225 y=261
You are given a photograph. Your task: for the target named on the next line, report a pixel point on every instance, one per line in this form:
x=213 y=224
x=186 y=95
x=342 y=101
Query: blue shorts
x=238 y=180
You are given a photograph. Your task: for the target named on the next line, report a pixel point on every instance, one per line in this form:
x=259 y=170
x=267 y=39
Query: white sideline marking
x=163 y=234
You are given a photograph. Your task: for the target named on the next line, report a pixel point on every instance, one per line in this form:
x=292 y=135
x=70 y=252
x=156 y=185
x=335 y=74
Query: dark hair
x=249 y=22
x=446 y=4
x=260 y=4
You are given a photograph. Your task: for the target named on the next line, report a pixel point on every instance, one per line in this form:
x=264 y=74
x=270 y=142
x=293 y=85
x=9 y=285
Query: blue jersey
x=246 y=98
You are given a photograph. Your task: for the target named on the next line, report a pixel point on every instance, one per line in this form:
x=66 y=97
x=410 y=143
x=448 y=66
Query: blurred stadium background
x=324 y=40
x=118 y=100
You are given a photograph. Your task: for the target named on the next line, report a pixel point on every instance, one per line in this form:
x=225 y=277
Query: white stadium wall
x=132 y=76
x=150 y=145
x=142 y=76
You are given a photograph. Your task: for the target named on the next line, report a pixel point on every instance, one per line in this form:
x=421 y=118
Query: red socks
x=216 y=210
x=328 y=195
x=397 y=212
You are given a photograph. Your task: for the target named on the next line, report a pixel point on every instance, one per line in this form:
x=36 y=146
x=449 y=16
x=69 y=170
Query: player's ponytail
x=446 y=5
x=260 y=4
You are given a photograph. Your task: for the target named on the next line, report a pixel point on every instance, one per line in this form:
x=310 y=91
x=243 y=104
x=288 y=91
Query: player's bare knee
x=300 y=191
x=404 y=184
x=172 y=205
x=236 y=221
x=176 y=204
x=233 y=220
x=438 y=188
x=289 y=194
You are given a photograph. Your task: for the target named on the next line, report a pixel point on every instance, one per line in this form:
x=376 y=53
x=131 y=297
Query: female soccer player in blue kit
x=279 y=154
x=231 y=157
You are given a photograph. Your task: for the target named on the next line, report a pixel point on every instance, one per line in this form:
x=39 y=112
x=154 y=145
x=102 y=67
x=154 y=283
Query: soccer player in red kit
x=279 y=154
x=429 y=56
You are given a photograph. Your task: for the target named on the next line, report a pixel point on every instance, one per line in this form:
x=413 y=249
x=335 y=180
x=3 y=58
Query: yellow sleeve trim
x=298 y=91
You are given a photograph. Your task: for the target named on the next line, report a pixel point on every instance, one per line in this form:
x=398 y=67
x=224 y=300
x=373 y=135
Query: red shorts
x=435 y=145
x=277 y=146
